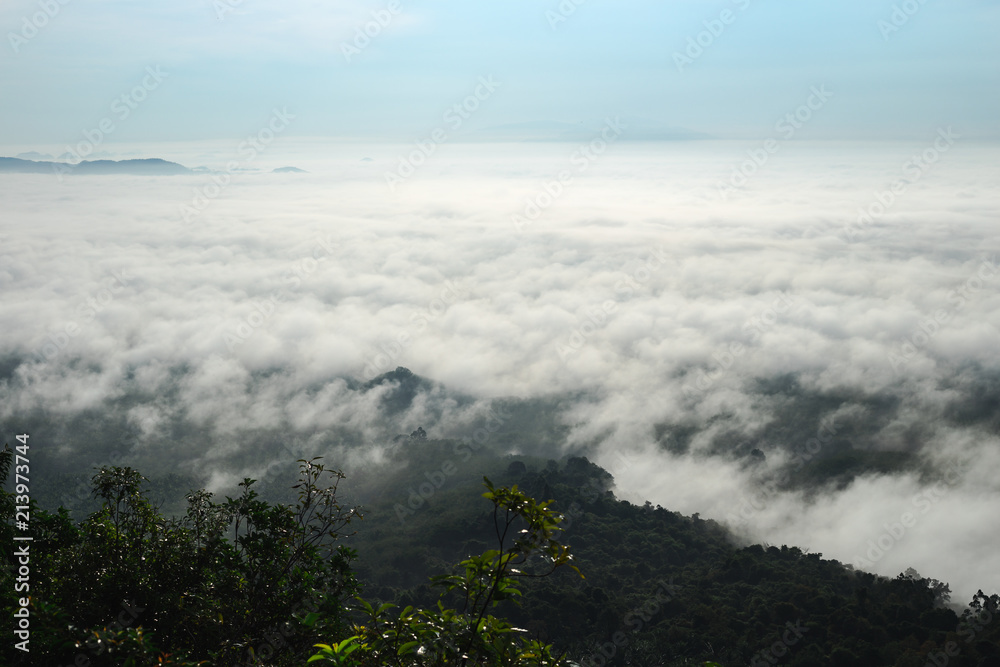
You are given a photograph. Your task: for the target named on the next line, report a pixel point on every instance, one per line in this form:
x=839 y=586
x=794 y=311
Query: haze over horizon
x=898 y=70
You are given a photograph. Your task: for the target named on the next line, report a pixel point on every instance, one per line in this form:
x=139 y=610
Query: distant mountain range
x=139 y=167
x=151 y=166
x=634 y=129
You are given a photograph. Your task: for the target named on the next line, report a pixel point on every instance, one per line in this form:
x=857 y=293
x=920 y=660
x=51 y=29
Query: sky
x=722 y=69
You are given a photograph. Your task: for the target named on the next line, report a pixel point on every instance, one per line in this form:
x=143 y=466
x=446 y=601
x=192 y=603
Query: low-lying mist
x=810 y=357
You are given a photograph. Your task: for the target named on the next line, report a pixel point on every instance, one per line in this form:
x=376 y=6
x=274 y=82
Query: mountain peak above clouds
x=139 y=167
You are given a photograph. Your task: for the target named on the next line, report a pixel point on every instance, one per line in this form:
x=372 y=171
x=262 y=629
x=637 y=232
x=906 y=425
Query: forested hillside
x=667 y=589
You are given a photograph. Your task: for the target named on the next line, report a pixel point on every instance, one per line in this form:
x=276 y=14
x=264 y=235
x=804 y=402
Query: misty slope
x=835 y=457
x=819 y=440
x=660 y=588
x=351 y=421
x=421 y=491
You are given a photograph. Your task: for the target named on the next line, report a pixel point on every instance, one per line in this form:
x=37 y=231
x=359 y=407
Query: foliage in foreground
x=437 y=637
x=226 y=584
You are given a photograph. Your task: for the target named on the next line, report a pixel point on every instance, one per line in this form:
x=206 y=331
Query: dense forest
x=431 y=572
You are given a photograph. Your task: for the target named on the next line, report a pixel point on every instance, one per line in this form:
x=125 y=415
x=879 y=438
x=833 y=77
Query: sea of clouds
x=667 y=288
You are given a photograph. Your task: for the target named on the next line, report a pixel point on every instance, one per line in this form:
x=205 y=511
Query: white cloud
x=520 y=295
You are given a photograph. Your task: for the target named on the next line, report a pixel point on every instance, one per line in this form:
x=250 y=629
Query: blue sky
x=229 y=63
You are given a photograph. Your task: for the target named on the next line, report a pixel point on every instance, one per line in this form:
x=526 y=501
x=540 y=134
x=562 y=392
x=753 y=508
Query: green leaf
x=341 y=645
x=408 y=647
